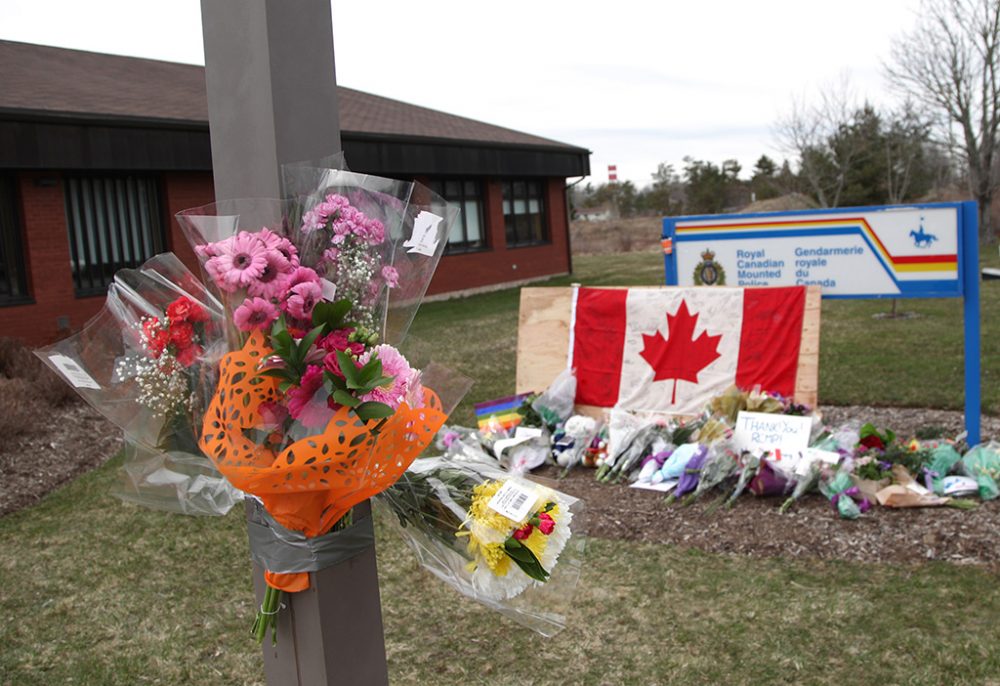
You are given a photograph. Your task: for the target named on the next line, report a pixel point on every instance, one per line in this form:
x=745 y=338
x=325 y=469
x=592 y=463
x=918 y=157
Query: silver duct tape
x=283 y=551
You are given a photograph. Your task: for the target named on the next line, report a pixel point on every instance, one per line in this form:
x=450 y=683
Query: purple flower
x=255 y=313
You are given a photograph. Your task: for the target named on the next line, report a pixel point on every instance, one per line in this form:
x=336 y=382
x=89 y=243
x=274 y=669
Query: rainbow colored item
x=500 y=414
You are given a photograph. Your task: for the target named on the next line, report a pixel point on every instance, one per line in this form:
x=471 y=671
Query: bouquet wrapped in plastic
x=507 y=542
x=147 y=362
x=316 y=408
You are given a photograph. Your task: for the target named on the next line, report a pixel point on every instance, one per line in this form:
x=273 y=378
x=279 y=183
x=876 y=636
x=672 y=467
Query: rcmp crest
x=708 y=272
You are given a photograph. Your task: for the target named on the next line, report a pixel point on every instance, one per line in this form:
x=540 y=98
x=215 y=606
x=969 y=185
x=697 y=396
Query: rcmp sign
x=855 y=252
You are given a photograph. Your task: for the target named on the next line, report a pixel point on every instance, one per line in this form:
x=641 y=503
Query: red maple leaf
x=680 y=357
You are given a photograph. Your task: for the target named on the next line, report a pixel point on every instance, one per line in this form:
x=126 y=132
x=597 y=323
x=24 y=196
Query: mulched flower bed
x=37 y=462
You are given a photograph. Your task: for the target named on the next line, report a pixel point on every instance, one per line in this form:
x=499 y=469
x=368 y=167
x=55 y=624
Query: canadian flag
x=672 y=350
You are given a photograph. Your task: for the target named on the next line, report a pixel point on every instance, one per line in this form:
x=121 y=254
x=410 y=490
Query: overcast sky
x=635 y=82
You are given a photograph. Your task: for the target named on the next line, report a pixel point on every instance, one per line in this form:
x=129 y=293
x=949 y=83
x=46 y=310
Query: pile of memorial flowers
x=856 y=466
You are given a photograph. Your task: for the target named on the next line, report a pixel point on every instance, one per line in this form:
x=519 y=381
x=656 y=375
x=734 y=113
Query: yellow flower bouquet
x=505 y=541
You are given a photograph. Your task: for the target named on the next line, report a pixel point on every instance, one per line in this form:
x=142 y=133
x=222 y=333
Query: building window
x=467 y=234
x=524 y=213
x=13 y=279
x=114 y=222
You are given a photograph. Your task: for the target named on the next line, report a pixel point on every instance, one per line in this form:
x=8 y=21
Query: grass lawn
x=96 y=592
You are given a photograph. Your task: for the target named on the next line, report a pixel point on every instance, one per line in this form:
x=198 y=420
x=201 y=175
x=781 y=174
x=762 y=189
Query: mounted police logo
x=708 y=272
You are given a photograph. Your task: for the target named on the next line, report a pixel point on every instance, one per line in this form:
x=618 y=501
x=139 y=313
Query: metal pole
x=970 y=313
x=272 y=99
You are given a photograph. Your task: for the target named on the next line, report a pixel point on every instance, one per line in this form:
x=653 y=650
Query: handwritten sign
x=771 y=432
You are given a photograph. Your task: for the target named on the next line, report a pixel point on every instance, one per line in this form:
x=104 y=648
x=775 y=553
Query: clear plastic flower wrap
x=316 y=408
x=512 y=544
x=146 y=362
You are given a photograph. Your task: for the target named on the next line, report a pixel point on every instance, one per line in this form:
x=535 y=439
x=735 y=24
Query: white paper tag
x=514 y=501
x=329 y=289
x=424 y=239
x=73 y=372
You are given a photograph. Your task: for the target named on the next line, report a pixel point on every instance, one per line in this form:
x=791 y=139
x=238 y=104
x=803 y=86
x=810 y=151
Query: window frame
x=13 y=252
x=518 y=226
x=440 y=186
x=103 y=203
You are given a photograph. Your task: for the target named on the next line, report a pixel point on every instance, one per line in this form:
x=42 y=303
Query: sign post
x=908 y=251
x=272 y=100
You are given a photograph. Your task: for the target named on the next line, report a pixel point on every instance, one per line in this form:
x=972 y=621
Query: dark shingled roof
x=57 y=81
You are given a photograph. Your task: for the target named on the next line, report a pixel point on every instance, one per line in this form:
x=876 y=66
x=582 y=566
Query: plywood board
x=543 y=337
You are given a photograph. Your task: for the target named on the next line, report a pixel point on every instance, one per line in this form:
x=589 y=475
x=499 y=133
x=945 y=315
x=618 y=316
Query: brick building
x=98 y=152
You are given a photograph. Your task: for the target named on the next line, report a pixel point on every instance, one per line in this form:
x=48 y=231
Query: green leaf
x=347 y=368
x=333 y=382
x=345 y=398
x=373 y=410
x=331 y=315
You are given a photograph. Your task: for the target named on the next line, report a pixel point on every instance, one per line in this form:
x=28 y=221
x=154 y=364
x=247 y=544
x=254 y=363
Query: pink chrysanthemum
x=308 y=402
x=241 y=260
x=390 y=276
x=255 y=313
x=303 y=299
x=396 y=366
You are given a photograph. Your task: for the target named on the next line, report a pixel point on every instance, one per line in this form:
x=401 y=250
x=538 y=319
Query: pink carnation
x=390 y=276
x=255 y=313
x=393 y=365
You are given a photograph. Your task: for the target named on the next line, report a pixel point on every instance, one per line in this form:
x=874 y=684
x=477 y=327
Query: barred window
x=114 y=222
x=13 y=272
x=467 y=233
x=524 y=213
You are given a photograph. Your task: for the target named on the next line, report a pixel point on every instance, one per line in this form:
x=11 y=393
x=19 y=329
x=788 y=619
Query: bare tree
x=950 y=61
x=806 y=132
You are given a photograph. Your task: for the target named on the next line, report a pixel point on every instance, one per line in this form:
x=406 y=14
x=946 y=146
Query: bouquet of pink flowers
x=316 y=408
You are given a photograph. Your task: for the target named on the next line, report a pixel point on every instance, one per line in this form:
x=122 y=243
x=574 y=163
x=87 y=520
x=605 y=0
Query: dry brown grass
x=17 y=362
x=615 y=235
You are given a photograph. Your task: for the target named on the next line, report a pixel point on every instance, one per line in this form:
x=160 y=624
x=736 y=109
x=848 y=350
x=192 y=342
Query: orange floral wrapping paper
x=310 y=485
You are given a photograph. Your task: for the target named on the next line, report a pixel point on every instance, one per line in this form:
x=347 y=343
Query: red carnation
x=545 y=523
x=873 y=441
x=523 y=532
x=185 y=310
x=181 y=334
x=189 y=355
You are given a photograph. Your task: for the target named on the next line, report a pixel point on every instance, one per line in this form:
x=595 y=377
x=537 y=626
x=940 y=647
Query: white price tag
x=73 y=372
x=424 y=239
x=514 y=501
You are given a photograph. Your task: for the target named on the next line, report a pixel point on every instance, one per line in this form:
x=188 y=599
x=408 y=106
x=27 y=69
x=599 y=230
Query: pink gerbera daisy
x=272 y=282
x=254 y=313
x=241 y=260
x=303 y=299
x=395 y=366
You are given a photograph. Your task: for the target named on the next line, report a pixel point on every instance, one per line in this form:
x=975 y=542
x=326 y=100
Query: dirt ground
x=34 y=464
